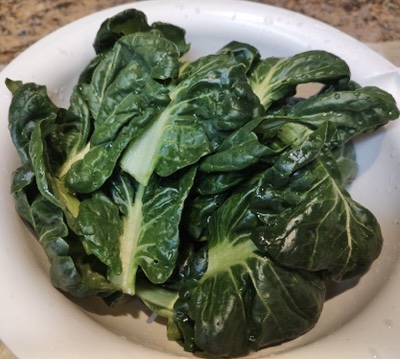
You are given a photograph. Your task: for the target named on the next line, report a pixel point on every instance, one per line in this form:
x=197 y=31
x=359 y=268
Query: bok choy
x=208 y=188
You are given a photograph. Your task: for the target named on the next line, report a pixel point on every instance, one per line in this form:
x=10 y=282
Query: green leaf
x=345 y=157
x=124 y=98
x=150 y=227
x=22 y=177
x=78 y=278
x=197 y=213
x=352 y=111
x=211 y=100
x=173 y=33
x=244 y=301
x=132 y=21
x=238 y=151
x=219 y=182
x=33 y=120
x=30 y=104
x=305 y=146
x=50 y=227
x=101 y=227
x=48 y=184
x=23 y=207
x=244 y=54
x=37 y=153
x=69 y=139
x=126 y=22
x=311 y=223
x=133 y=96
x=276 y=78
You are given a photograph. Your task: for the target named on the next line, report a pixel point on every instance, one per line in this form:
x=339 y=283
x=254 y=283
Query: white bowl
x=362 y=320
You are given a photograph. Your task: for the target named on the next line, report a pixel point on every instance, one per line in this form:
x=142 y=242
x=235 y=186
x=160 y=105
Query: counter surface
x=23 y=22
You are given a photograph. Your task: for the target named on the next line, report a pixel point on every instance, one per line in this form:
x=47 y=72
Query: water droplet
x=337 y=96
x=388 y=323
x=374 y=353
x=252 y=338
x=267 y=21
x=62 y=52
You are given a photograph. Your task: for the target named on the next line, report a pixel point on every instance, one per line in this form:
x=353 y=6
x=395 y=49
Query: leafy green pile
x=207 y=188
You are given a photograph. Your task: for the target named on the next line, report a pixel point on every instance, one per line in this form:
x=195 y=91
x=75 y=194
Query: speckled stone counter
x=22 y=22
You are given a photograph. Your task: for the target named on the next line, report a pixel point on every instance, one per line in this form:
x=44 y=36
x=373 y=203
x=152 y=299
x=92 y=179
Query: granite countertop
x=23 y=22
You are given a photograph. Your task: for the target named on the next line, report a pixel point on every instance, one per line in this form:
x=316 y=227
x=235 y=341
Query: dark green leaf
x=133 y=21
x=30 y=104
x=50 y=227
x=212 y=99
x=78 y=278
x=352 y=112
x=101 y=227
x=276 y=78
x=310 y=222
x=126 y=22
x=244 y=301
x=150 y=226
x=244 y=53
x=238 y=151
x=197 y=213
x=345 y=157
x=123 y=98
x=22 y=177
